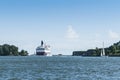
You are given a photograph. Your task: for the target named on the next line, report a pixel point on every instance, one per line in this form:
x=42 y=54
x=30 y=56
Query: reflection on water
x=59 y=68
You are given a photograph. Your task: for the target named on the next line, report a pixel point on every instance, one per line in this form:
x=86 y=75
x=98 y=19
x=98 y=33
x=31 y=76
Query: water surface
x=59 y=68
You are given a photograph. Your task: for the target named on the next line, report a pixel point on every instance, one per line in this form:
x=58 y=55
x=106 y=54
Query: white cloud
x=71 y=33
x=113 y=34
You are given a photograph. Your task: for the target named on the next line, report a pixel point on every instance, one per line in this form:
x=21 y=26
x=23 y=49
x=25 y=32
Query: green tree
x=97 y=51
x=14 y=50
x=23 y=53
x=1 y=51
x=6 y=49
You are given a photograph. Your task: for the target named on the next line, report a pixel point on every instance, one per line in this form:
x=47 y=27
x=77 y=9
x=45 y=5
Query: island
x=11 y=50
x=113 y=50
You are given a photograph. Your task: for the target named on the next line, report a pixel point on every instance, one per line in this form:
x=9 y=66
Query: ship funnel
x=41 y=43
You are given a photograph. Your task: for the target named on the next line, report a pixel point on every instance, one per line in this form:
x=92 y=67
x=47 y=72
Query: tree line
x=11 y=50
x=113 y=50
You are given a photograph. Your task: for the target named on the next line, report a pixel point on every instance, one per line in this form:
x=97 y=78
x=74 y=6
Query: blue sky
x=66 y=25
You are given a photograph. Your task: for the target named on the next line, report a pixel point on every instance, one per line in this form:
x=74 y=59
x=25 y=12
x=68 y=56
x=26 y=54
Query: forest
x=11 y=50
x=113 y=50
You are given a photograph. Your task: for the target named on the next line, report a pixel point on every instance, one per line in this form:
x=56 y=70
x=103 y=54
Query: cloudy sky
x=66 y=25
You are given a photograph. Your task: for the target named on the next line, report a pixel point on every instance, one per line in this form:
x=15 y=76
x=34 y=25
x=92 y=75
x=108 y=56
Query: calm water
x=59 y=68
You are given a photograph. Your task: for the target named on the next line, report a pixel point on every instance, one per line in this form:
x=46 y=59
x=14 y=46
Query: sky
x=66 y=25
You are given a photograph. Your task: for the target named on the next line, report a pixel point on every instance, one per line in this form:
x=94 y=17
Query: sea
x=59 y=68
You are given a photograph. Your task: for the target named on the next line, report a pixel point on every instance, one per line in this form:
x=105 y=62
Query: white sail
x=103 y=51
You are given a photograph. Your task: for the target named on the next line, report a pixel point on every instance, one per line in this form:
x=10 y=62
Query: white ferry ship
x=43 y=50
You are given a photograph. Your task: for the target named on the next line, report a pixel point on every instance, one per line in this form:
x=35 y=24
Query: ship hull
x=41 y=53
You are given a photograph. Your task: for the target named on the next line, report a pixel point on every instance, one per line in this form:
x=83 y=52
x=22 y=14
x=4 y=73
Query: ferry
x=43 y=50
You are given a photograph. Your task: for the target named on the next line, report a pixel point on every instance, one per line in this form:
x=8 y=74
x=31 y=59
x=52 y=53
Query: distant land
x=113 y=50
x=11 y=50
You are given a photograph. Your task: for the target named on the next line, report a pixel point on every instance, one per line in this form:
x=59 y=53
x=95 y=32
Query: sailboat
x=103 y=51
